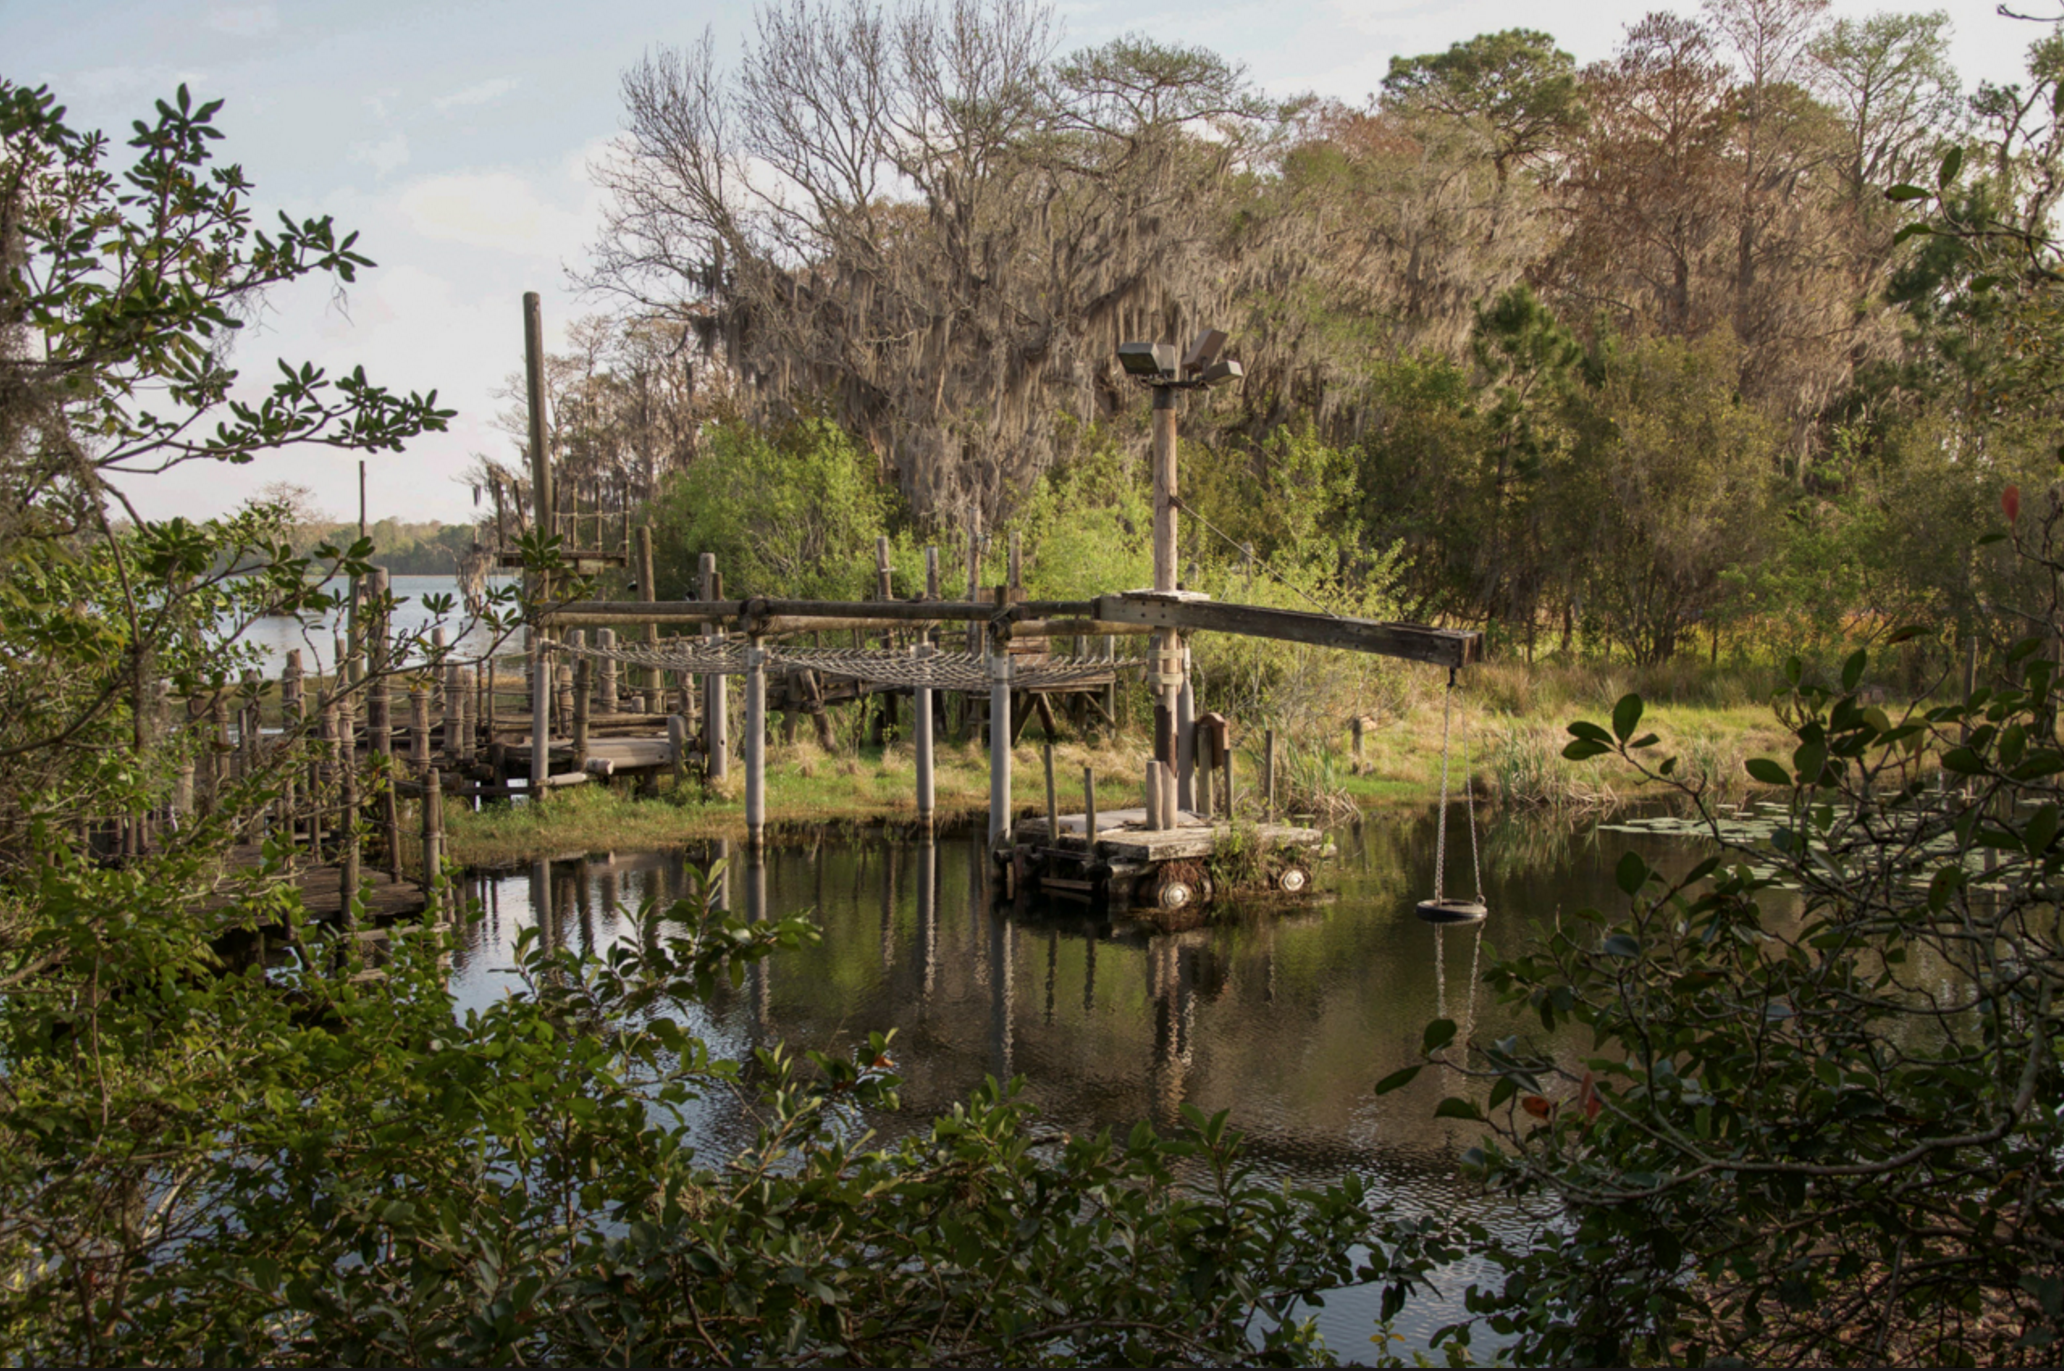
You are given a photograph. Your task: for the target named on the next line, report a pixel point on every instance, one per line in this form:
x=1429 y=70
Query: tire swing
x=1441 y=909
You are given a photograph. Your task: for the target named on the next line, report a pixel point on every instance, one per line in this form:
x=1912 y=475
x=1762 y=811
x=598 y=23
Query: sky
x=456 y=137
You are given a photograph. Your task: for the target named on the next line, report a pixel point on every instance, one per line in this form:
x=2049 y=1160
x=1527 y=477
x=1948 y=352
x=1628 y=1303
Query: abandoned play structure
x=581 y=727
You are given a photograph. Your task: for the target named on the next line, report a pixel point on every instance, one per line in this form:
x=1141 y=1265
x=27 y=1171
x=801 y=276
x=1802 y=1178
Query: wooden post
x=1268 y=774
x=999 y=748
x=608 y=695
x=379 y=702
x=460 y=745
x=419 y=730
x=1166 y=489
x=1226 y=756
x=582 y=668
x=1185 y=731
x=1089 y=814
x=677 y=746
x=648 y=591
x=293 y=715
x=1016 y=564
x=534 y=394
x=931 y=555
x=755 y=743
x=716 y=704
x=922 y=735
x=974 y=576
x=433 y=846
x=1355 y=766
x=1150 y=794
x=347 y=881
x=1053 y=809
x=1171 y=812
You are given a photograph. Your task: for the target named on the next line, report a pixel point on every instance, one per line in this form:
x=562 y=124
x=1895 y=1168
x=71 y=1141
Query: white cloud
x=243 y=21
x=125 y=82
x=384 y=156
x=479 y=94
x=494 y=209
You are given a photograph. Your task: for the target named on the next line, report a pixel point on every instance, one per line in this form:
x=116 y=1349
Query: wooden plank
x=1413 y=642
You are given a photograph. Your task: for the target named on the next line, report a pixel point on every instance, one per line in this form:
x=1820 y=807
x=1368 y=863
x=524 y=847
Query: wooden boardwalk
x=380 y=896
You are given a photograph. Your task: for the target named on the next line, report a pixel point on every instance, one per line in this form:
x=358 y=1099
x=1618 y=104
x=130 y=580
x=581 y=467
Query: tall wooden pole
x=927 y=797
x=541 y=505
x=1166 y=489
x=999 y=747
x=755 y=745
x=716 y=723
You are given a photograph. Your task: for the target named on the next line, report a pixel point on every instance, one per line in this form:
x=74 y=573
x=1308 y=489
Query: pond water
x=1284 y=1015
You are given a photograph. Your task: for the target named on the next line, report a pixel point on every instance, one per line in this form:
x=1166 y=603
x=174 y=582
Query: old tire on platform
x=1293 y=880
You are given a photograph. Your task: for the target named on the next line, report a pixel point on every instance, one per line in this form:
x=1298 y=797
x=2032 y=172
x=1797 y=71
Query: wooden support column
x=716 y=723
x=755 y=744
x=1150 y=796
x=419 y=730
x=1089 y=814
x=1268 y=774
x=1166 y=489
x=543 y=522
x=999 y=747
x=648 y=591
x=927 y=800
x=379 y=696
x=433 y=848
x=606 y=689
x=582 y=667
x=1185 y=731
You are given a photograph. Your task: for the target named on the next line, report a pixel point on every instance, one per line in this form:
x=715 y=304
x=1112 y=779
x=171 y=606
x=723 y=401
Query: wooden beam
x=1413 y=642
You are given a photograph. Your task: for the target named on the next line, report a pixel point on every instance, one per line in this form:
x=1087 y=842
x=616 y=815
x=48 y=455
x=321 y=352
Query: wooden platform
x=322 y=890
x=1122 y=836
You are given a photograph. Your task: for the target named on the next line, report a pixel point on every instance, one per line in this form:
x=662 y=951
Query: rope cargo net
x=961 y=671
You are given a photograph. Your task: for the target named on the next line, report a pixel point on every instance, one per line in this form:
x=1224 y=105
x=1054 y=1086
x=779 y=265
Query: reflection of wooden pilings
x=541 y=902
x=999 y=748
x=761 y=973
x=928 y=911
x=755 y=744
x=1003 y=950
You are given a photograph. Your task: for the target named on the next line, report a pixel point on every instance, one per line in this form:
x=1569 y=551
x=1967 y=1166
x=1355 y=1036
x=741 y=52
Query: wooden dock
x=1128 y=864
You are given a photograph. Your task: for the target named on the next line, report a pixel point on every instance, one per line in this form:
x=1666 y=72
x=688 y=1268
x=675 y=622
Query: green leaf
x=1952 y=163
x=1902 y=194
x=1632 y=872
x=1852 y=670
x=1455 y=1107
x=1626 y=716
x=1963 y=761
x=1439 y=1034
x=1583 y=749
x=1621 y=945
x=1396 y=1080
x=1584 y=728
x=1768 y=772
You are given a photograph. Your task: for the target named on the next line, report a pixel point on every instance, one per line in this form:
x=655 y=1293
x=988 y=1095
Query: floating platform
x=1165 y=870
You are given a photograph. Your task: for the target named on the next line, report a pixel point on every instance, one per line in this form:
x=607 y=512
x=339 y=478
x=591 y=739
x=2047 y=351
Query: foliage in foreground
x=222 y=1169
x=1819 y=1119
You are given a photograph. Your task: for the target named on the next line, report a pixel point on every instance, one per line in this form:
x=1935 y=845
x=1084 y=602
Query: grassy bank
x=1512 y=718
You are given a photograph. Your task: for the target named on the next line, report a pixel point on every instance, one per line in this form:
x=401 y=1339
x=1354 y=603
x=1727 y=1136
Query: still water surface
x=1284 y=1015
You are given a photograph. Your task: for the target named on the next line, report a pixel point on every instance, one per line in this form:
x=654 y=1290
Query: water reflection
x=1284 y=1017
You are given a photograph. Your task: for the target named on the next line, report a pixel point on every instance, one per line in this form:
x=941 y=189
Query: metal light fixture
x=1154 y=364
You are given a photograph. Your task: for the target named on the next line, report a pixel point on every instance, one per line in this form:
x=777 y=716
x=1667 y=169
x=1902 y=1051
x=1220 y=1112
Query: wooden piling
x=606 y=688
x=1089 y=814
x=1053 y=810
x=1358 y=724
x=927 y=799
x=433 y=847
x=755 y=743
x=419 y=730
x=1166 y=489
x=999 y=748
x=716 y=705
x=581 y=669
x=1268 y=774
x=1185 y=732
x=1150 y=795
x=379 y=700
x=677 y=747
x=348 y=829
